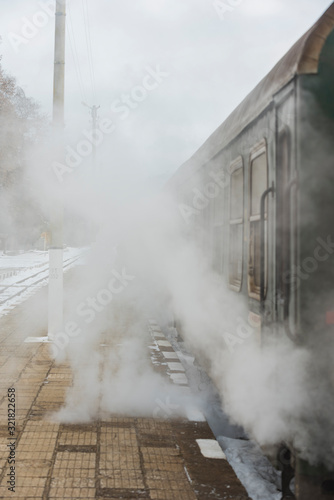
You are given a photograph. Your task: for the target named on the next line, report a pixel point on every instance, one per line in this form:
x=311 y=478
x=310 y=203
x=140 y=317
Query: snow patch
x=195 y=415
x=179 y=378
x=255 y=472
x=210 y=449
x=164 y=343
x=175 y=367
x=170 y=355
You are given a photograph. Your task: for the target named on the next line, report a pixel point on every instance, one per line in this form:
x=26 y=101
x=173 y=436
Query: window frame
x=258 y=150
x=236 y=164
x=218 y=231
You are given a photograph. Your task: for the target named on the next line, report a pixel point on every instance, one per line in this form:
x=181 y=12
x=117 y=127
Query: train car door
x=286 y=238
x=259 y=272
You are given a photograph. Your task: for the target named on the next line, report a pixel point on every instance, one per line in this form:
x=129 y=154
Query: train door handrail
x=262 y=245
x=286 y=292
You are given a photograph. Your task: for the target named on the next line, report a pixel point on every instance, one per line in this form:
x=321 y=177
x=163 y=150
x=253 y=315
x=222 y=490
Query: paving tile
x=82 y=493
x=118 y=457
x=77 y=438
x=21 y=492
x=123 y=479
x=172 y=495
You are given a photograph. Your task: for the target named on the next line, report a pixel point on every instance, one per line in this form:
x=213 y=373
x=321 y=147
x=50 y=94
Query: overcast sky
x=208 y=64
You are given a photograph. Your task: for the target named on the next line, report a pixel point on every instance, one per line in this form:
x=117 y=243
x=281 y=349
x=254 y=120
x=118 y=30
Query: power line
x=74 y=50
x=89 y=46
x=91 y=49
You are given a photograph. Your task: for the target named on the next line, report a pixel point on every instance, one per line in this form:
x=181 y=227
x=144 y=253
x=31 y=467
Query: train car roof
x=301 y=59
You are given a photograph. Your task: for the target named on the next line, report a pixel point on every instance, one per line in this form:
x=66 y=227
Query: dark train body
x=262 y=187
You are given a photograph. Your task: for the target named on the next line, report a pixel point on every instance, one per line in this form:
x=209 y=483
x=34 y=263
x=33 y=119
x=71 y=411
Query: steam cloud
x=278 y=392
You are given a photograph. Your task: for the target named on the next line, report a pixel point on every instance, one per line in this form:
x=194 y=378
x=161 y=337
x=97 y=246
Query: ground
x=112 y=455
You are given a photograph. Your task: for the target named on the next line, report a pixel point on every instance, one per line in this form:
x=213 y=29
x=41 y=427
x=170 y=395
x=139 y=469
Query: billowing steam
x=145 y=263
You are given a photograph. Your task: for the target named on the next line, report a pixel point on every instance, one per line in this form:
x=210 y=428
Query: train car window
x=218 y=250
x=218 y=234
x=258 y=184
x=237 y=180
x=236 y=224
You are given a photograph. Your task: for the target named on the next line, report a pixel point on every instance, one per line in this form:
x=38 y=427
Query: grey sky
x=212 y=64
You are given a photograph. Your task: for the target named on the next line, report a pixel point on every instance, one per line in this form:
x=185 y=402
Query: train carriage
x=262 y=187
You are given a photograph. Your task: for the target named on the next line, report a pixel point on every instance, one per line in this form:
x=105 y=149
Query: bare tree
x=21 y=125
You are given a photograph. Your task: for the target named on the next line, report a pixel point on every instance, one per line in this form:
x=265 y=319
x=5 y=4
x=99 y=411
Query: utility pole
x=55 y=299
x=93 y=110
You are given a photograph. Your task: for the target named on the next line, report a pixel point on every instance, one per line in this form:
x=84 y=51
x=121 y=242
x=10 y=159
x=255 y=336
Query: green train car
x=261 y=191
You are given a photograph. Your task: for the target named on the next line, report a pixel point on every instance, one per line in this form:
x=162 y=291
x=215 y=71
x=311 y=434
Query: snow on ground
x=22 y=275
x=210 y=449
x=260 y=479
x=254 y=470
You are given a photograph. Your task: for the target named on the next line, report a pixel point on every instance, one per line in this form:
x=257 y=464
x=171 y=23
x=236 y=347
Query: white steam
x=275 y=391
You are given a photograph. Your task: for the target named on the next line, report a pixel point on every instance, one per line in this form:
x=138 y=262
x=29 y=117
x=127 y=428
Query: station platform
x=114 y=456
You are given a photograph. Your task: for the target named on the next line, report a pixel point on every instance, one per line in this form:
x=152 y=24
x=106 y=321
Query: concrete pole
x=55 y=299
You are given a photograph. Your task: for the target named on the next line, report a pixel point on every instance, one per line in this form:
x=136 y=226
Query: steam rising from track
x=274 y=391
x=146 y=263
x=278 y=392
